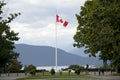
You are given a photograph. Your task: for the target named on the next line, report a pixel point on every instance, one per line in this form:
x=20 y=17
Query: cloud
x=43 y=35
x=36 y=25
x=48 y=3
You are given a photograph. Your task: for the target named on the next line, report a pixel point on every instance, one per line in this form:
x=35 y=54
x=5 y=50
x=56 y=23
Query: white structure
x=48 y=68
x=59 y=68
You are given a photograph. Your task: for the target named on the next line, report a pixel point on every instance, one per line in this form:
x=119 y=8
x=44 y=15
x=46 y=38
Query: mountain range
x=45 y=56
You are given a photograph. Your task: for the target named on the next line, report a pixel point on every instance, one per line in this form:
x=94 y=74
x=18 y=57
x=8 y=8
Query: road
x=13 y=76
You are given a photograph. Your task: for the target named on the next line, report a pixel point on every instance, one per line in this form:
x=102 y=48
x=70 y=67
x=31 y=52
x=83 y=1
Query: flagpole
x=64 y=23
x=56 y=52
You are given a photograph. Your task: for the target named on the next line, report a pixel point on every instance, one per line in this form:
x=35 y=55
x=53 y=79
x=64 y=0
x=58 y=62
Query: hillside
x=45 y=56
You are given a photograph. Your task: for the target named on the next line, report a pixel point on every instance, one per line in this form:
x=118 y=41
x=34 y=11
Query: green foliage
x=77 y=71
x=74 y=67
x=7 y=37
x=99 y=29
x=32 y=71
x=52 y=71
x=30 y=67
x=14 y=66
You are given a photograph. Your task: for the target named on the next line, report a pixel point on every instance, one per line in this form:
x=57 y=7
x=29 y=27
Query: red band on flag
x=60 y=20
x=65 y=24
x=57 y=18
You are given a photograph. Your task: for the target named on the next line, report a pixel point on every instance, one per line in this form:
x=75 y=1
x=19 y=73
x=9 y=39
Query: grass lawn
x=47 y=75
x=117 y=74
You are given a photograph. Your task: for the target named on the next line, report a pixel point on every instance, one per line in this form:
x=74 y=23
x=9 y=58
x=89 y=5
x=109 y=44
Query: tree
x=73 y=67
x=77 y=71
x=14 y=66
x=52 y=71
x=7 y=37
x=76 y=68
x=31 y=69
x=99 y=29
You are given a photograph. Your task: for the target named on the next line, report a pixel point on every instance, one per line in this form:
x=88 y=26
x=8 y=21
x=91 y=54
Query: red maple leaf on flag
x=60 y=20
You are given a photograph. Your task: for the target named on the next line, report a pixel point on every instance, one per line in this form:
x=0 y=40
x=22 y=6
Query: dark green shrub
x=52 y=71
x=77 y=71
x=32 y=71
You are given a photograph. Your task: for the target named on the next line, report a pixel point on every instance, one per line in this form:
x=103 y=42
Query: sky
x=36 y=24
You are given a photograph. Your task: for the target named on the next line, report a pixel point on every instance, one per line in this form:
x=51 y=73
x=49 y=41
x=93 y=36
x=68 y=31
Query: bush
x=77 y=71
x=32 y=71
x=52 y=71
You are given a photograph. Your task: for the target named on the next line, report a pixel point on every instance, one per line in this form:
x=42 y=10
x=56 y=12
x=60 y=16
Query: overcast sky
x=36 y=25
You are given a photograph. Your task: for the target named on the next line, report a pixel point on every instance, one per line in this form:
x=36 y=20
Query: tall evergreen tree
x=7 y=37
x=99 y=29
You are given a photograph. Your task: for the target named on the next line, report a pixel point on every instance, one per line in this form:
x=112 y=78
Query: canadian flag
x=60 y=20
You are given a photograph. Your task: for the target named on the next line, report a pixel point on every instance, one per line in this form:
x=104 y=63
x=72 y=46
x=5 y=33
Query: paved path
x=13 y=76
x=106 y=76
